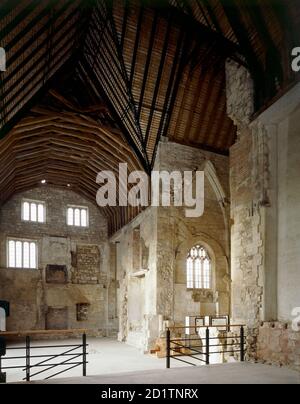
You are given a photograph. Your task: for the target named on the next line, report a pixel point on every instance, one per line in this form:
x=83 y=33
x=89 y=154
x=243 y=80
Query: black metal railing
x=200 y=350
x=72 y=356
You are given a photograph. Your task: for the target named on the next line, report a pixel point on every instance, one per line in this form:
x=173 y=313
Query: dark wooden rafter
x=126 y=110
x=49 y=52
x=135 y=70
x=87 y=8
x=131 y=108
x=215 y=94
x=28 y=44
x=25 y=12
x=216 y=70
x=24 y=91
x=273 y=58
x=211 y=14
x=48 y=59
x=159 y=76
x=233 y=14
x=108 y=67
x=169 y=90
x=183 y=55
x=47 y=144
x=31 y=24
x=136 y=43
x=148 y=61
x=23 y=64
x=285 y=19
x=38 y=95
x=124 y=27
x=7 y=6
x=112 y=88
x=131 y=100
x=87 y=68
x=207 y=33
x=291 y=36
x=205 y=9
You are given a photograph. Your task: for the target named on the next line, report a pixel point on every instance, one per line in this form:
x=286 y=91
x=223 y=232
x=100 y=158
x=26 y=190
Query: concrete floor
x=106 y=356
x=117 y=363
x=234 y=373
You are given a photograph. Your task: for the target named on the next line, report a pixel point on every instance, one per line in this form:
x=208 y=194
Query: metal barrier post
x=2 y=353
x=242 y=342
x=207 y=345
x=28 y=359
x=84 y=355
x=168 y=348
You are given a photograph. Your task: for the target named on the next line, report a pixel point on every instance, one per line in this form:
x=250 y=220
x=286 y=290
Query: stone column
x=247 y=180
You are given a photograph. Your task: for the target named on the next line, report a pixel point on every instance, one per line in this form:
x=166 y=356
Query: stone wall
x=265 y=209
x=86 y=269
x=247 y=234
x=73 y=267
x=152 y=252
x=177 y=234
x=279 y=344
x=136 y=277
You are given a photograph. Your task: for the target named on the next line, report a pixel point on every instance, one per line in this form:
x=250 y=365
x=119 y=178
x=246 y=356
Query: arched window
x=198 y=269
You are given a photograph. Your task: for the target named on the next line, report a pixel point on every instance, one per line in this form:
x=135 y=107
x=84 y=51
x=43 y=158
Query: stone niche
x=57 y=318
x=82 y=311
x=140 y=252
x=57 y=274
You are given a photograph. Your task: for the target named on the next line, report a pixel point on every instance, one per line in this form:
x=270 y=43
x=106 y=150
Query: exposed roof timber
x=31 y=24
x=148 y=61
x=206 y=34
x=170 y=91
x=37 y=34
x=48 y=143
x=27 y=80
x=87 y=70
x=131 y=57
x=159 y=76
x=125 y=18
x=203 y=146
x=178 y=76
x=136 y=43
x=69 y=104
x=37 y=55
x=33 y=101
x=274 y=62
x=283 y=14
x=211 y=14
x=265 y=30
x=7 y=6
x=255 y=67
x=87 y=8
x=119 y=74
x=19 y=17
x=132 y=104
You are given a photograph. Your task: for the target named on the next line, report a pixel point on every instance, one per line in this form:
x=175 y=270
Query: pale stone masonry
x=265 y=214
x=76 y=259
x=159 y=295
x=134 y=284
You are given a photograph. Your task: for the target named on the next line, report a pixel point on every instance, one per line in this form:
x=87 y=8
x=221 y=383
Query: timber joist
x=90 y=84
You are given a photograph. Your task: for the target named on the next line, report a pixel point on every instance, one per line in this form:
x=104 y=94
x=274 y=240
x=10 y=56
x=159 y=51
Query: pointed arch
x=214 y=181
